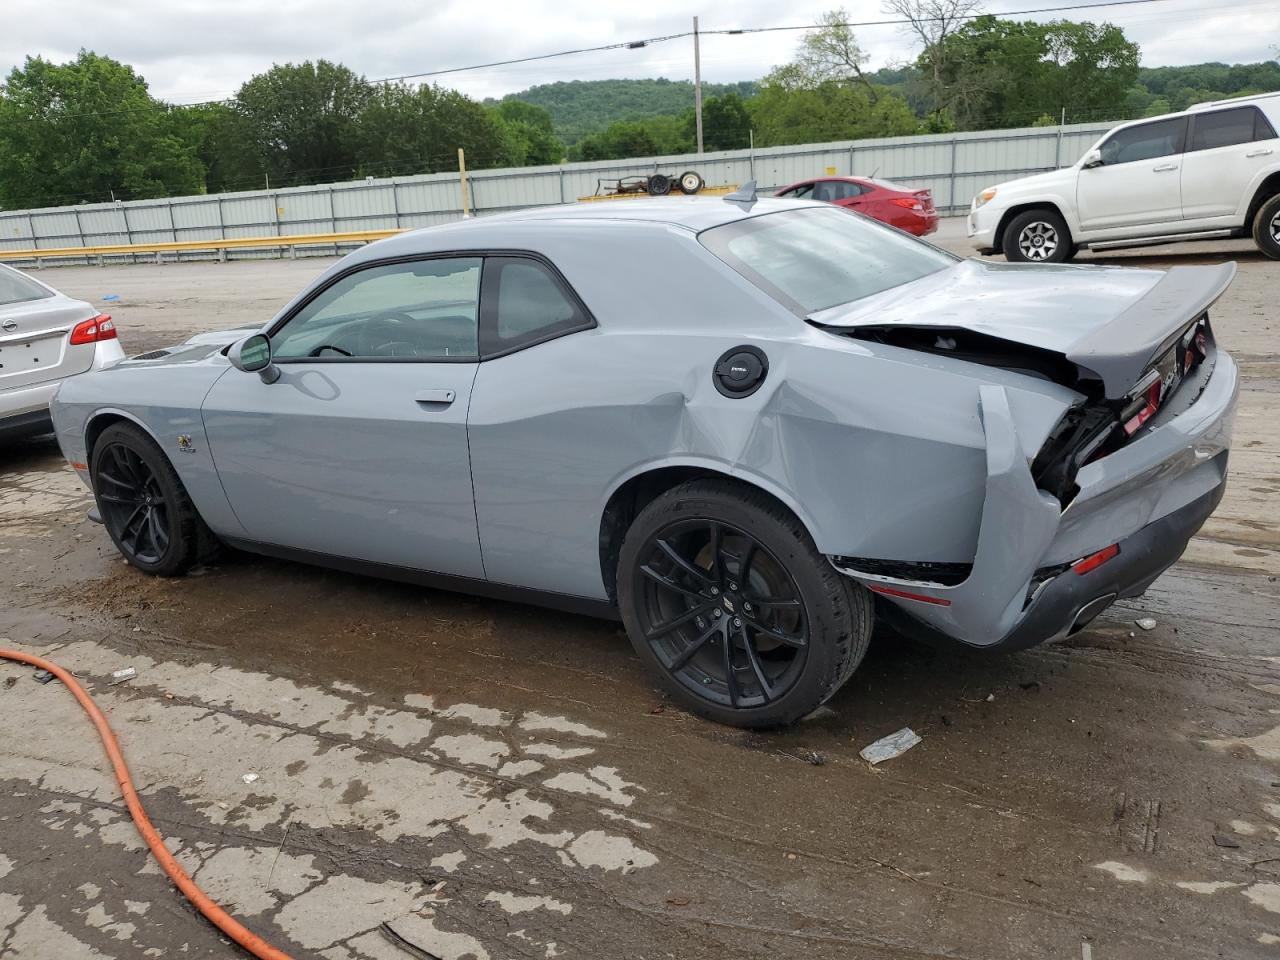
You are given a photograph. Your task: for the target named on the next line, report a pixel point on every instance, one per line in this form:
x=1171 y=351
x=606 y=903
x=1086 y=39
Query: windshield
x=820 y=257
x=15 y=288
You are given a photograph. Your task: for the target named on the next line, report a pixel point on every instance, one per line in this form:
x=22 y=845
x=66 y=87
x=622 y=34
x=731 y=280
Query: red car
x=909 y=210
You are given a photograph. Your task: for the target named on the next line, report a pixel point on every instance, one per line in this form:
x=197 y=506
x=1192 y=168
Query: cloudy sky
x=192 y=50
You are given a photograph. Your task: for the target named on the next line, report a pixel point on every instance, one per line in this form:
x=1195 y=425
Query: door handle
x=1258 y=153
x=434 y=396
x=1165 y=167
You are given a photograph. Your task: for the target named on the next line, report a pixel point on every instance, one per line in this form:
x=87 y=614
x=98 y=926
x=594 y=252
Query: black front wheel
x=143 y=504
x=725 y=595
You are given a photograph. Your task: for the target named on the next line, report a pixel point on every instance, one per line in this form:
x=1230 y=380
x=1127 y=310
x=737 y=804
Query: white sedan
x=45 y=337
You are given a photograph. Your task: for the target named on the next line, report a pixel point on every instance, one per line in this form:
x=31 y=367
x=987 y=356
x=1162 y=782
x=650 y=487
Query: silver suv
x=1207 y=173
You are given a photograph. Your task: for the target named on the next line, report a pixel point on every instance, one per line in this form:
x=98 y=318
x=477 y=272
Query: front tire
x=725 y=596
x=144 y=506
x=1266 y=228
x=1037 y=236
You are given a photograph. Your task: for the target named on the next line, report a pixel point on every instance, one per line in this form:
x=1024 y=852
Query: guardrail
x=221 y=246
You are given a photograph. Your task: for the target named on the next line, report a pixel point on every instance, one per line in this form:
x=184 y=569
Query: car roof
x=692 y=213
x=529 y=227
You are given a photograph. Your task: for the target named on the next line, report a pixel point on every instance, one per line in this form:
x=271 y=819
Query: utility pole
x=697 y=82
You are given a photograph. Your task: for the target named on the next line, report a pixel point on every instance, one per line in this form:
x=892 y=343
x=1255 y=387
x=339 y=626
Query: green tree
x=832 y=52
x=87 y=130
x=221 y=141
x=1004 y=73
x=790 y=110
x=726 y=124
x=303 y=120
x=619 y=141
x=530 y=138
x=405 y=129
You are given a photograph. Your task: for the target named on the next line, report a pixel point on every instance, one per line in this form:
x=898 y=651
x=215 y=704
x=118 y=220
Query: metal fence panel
x=952 y=166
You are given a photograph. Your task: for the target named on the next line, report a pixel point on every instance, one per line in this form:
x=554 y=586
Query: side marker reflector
x=1094 y=560
x=894 y=592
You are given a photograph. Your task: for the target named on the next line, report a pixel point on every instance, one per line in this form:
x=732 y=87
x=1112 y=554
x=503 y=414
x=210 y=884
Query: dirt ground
x=498 y=781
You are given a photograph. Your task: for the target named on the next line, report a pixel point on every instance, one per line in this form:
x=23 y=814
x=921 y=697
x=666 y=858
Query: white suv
x=1209 y=172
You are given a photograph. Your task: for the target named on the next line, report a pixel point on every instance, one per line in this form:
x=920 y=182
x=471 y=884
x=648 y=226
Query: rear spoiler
x=1120 y=352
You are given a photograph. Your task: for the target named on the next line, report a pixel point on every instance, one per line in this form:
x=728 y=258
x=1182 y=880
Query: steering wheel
x=315 y=352
x=383 y=336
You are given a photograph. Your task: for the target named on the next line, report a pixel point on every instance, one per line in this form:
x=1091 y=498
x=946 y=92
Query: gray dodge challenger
x=745 y=427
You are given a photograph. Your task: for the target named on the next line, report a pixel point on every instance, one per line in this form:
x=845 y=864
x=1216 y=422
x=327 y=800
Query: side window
x=1262 y=129
x=525 y=302
x=1147 y=141
x=799 y=193
x=420 y=309
x=1225 y=128
x=845 y=190
x=824 y=190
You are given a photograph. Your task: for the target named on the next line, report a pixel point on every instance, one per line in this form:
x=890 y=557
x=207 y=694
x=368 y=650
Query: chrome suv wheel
x=1037 y=236
x=1266 y=227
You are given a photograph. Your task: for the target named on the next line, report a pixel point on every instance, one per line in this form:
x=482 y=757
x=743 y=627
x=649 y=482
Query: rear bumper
x=29 y=424
x=31 y=403
x=1069 y=601
x=1151 y=496
x=919 y=224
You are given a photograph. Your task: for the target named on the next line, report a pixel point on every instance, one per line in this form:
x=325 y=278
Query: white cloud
x=195 y=50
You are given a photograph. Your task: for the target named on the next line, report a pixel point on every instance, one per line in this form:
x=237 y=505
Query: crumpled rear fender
x=1019 y=522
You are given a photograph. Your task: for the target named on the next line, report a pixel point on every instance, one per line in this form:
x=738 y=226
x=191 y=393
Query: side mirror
x=1092 y=159
x=253 y=355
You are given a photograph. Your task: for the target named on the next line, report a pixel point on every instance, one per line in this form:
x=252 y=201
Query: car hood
x=199 y=347
x=1038 y=181
x=1110 y=321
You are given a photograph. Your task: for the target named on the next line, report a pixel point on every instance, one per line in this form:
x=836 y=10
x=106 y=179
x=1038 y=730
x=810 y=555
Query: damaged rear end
x=1129 y=473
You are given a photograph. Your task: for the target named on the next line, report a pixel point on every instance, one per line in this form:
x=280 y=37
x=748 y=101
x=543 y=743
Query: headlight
x=983 y=197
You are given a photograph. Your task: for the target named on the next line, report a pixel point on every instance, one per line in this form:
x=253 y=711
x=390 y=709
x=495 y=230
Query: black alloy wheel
x=721 y=614
x=132 y=505
x=724 y=594
x=143 y=504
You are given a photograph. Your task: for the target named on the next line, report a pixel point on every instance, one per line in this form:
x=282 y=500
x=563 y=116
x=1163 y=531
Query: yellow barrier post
x=462 y=182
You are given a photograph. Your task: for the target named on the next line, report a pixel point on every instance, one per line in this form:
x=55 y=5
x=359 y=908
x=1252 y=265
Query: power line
x=735 y=31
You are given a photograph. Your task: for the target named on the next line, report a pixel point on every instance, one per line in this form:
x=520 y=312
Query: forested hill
x=582 y=107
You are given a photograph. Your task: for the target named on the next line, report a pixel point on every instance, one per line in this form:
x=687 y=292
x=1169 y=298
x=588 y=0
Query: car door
x=1137 y=182
x=359 y=449
x=1226 y=151
x=845 y=193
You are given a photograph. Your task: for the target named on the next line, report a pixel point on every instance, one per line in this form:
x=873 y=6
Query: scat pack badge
x=184 y=443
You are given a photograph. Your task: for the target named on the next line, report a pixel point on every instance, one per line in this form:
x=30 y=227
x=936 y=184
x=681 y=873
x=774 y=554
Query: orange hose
x=214 y=913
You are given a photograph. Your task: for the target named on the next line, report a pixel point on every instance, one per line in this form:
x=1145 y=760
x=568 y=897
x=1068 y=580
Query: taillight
x=1095 y=560
x=907 y=203
x=94 y=329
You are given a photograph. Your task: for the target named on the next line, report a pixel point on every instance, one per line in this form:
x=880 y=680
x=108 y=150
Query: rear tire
x=1037 y=236
x=1266 y=227
x=143 y=504
x=759 y=650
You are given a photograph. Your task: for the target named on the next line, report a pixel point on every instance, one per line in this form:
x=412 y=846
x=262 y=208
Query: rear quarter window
x=819 y=257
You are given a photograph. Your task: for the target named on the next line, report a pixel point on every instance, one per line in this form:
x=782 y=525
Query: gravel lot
x=498 y=781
